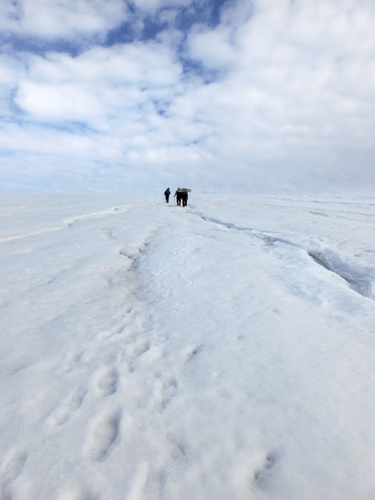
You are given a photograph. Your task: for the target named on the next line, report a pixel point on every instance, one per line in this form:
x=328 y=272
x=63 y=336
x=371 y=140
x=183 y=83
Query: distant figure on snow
x=178 y=197
x=167 y=192
x=184 y=196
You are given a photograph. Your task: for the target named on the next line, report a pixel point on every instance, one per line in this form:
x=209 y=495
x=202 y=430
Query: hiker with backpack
x=182 y=194
x=178 y=197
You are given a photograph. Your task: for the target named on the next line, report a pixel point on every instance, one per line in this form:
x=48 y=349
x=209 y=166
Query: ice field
x=223 y=351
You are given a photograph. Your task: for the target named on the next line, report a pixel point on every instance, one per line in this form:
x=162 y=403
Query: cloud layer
x=262 y=96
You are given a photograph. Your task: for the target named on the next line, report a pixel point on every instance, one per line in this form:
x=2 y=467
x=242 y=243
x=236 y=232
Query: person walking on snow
x=178 y=196
x=167 y=192
x=184 y=196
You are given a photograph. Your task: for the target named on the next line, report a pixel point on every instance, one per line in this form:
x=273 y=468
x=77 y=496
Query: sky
x=257 y=96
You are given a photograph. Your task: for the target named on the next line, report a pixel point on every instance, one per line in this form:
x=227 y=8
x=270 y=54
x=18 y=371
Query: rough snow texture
x=221 y=351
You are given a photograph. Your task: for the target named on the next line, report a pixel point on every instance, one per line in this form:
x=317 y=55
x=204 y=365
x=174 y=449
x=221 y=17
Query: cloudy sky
x=220 y=95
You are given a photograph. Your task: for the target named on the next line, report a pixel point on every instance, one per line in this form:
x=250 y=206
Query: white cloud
x=64 y=18
x=291 y=102
x=212 y=47
x=101 y=82
x=281 y=77
x=151 y=6
x=58 y=101
x=8 y=71
x=146 y=64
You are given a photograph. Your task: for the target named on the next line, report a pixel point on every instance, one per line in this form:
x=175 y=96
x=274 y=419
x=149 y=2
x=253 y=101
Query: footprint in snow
x=105 y=381
x=73 y=359
x=11 y=468
x=262 y=475
x=138 y=487
x=107 y=334
x=138 y=348
x=70 y=405
x=164 y=390
x=101 y=434
x=190 y=351
x=74 y=493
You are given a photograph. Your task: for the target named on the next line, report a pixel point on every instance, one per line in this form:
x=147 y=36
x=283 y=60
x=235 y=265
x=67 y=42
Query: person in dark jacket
x=178 y=196
x=184 y=196
x=167 y=192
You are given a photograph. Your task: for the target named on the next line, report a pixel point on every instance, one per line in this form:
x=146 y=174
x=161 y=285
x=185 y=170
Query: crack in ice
x=359 y=284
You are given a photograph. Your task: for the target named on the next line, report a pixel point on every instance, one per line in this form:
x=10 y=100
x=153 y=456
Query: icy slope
x=222 y=351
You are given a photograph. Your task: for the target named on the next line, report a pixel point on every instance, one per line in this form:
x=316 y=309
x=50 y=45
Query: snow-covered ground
x=223 y=351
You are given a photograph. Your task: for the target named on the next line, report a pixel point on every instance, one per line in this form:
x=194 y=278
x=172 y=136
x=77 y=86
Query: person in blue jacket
x=167 y=192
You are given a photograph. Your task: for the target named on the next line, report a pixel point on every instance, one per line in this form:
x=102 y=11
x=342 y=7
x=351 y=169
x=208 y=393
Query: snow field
x=221 y=351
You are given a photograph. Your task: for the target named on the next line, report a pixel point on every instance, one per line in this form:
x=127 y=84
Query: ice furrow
x=359 y=278
x=358 y=282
